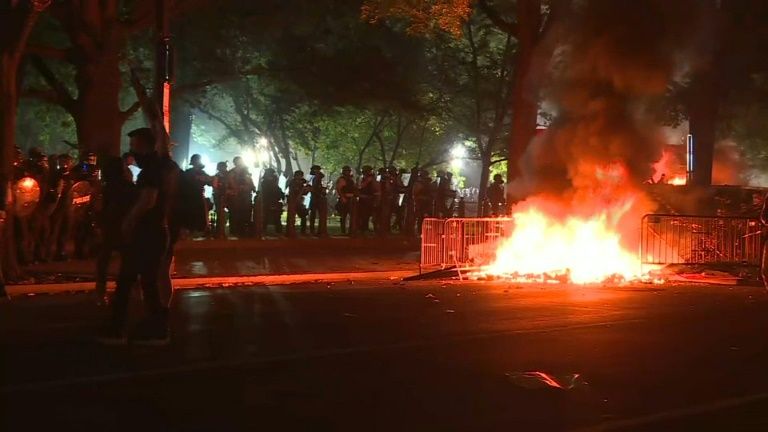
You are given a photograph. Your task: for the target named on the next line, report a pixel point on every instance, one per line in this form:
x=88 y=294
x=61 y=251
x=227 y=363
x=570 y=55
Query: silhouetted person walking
x=147 y=230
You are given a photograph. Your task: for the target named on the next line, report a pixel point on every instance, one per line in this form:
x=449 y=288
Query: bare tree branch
x=232 y=130
x=493 y=15
x=131 y=110
x=37 y=6
x=65 y=99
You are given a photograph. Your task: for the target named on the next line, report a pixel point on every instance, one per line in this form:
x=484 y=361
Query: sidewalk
x=208 y=262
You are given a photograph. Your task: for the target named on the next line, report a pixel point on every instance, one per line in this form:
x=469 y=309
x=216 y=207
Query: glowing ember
x=678 y=181
x=577 y=249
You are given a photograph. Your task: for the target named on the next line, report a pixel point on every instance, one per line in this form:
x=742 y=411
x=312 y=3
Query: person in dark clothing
x=346 y=191
x=84 y=192
x=25 y=228
x=196 y=208
x=388 y=192
x=398 y=200
x=118 y=196
x=220 y=199
x=240 y=191
x=496 y=197
x=318 y=202
x=369 y=197
x=61 y=223
x=446 y=195
x=272 y=200
x=424 y=191
x=297 y=190
x=149 y=230
x=41 y=218
x=409 y=203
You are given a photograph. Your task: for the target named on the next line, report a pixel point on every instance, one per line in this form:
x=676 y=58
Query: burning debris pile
x=581 y=217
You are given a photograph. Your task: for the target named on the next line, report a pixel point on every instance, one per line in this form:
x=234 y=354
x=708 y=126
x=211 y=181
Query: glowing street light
x=459 y=153
x=249 y=157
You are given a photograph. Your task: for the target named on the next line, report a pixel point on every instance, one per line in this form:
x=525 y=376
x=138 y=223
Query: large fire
x=580 y=250
x=590 y=237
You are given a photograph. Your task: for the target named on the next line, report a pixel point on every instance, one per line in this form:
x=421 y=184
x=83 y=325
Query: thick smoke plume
x=620 y=57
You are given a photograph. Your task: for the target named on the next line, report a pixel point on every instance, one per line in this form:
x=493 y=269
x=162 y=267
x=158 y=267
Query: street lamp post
x=163 y=62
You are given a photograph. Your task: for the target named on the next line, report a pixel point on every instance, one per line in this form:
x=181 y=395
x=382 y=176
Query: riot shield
x=26 y=196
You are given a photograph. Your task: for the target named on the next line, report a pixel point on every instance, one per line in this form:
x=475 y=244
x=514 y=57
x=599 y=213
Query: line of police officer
x=379 y=201
x=55 y=205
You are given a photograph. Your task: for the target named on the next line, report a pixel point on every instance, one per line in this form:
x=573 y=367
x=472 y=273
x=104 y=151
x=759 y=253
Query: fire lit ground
x=390 y=355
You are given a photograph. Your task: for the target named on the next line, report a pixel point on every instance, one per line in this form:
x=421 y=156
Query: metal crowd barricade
x=432 y=245
x=674 y=239
x=462 y=242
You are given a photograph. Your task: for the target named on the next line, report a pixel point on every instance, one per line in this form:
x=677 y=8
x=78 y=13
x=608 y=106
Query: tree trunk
x=704 y=104
x=9 y=266
x=97 y=113
x=524 y=115
x=525 y=88
x=702 y=119
x=16 y=25
x=284 y=146
x=485 y=174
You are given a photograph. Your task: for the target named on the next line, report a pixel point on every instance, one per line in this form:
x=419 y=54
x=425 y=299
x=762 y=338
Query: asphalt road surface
x=392 y=356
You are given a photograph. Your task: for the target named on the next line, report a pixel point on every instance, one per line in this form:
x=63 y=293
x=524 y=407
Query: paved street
x=397 y=356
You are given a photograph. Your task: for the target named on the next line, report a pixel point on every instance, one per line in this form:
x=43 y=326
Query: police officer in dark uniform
x=240 y=190
x=369 y=194
x=346 y=191
x=31 y=168
x=398 y=201
x=220 y=199
x=445 y=195
x=424 y=191
x=41 y=218
x=388 y=192
x=297 y=190
x=409 y=203
x=62 y=214
x=318 y=202
x=496 y=197
x=272 y=200
x=195 y=180
x=84 y=194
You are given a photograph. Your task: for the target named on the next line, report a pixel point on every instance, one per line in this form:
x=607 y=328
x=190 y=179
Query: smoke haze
x=621 y=56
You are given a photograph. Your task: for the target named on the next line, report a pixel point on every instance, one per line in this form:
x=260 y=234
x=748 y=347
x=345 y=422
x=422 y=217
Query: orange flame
x=592 y=244
x=678 y=181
